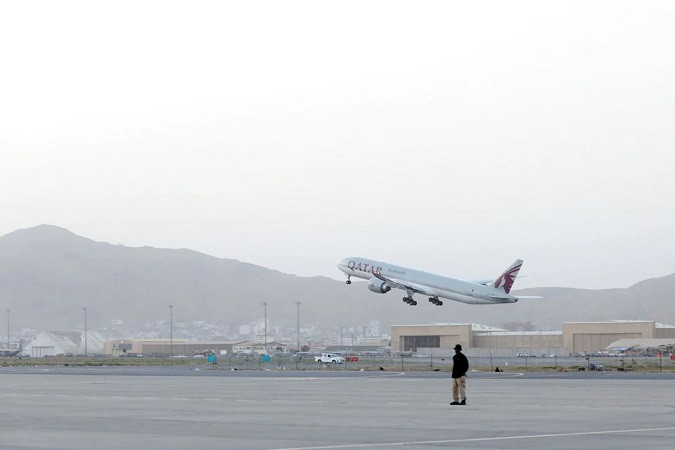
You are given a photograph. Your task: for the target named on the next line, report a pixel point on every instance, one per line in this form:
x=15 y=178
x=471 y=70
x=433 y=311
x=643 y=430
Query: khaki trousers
x=459 y=388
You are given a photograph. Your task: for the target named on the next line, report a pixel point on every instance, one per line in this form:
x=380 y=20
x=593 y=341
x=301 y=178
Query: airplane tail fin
x=505 y=280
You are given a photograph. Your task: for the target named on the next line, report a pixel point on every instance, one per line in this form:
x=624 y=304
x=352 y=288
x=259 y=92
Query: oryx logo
x=506 y=279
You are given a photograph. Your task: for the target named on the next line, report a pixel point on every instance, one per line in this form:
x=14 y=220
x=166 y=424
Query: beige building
x=482 y=340
x=664 y=331
x=580 y=337
x=510 y=343
x=476 y=339
x=409 y=338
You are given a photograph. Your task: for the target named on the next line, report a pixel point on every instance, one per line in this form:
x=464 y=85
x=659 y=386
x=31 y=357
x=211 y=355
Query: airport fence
x=443 y=364
x=399 y=363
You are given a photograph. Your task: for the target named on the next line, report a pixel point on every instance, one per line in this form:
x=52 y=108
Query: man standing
x=460 y=366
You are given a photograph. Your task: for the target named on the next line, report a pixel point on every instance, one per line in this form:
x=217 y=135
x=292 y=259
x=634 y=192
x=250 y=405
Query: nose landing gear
x=349 y=281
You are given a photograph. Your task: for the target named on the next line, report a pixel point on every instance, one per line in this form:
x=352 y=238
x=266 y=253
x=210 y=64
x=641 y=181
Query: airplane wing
x=505 y=298
x=407 y=286
x=499 y=298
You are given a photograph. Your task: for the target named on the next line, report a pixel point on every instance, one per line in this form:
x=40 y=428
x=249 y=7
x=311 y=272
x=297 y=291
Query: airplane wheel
x=440 y=303
x=414 y=303
x=349 y=282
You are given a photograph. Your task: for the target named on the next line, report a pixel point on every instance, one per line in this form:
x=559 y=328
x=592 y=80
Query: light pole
x=298 y=304
x=8 y=329
x=265 y=305
x=85 y=330
x=171 y=327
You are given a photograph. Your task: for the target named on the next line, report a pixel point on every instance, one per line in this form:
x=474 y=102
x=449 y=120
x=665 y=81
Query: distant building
x=510 y=343
x=580 y=337
x=482 y=340
x=163 y=347
x=365 y=348
x=52 y=343
x=441 y=336
x=640 y=346
x=258 y=348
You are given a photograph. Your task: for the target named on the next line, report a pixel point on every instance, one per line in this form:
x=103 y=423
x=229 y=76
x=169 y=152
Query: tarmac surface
x=183 y=407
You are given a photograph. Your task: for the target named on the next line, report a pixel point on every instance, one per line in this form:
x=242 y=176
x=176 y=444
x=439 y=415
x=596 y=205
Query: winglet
x=505 y=280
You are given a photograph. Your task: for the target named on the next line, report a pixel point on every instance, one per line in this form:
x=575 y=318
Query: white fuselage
x=426 y=283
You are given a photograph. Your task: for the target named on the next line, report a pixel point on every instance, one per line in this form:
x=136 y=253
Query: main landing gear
x=436 y=301
x=349 y=281
x=409 y=300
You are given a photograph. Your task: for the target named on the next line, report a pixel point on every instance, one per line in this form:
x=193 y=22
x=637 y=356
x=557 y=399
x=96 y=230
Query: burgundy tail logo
x=506 y=279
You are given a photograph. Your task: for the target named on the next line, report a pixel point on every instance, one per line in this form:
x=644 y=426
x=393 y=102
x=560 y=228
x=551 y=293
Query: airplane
x=382 y=277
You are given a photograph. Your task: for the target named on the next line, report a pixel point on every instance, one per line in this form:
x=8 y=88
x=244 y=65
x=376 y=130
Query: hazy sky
x=452 y=137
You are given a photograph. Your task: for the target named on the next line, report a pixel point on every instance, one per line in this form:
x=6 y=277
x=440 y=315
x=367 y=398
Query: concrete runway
x=179 y=408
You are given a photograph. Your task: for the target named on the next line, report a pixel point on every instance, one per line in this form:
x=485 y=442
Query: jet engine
x=379 y=286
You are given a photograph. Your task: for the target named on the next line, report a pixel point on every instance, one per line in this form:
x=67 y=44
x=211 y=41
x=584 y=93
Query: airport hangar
x=482 y=340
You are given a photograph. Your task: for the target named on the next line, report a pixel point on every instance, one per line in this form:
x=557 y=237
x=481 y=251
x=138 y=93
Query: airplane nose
x=342 y=264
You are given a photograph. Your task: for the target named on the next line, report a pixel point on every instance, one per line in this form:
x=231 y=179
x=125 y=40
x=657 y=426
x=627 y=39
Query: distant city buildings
x=436 y=339
x=71 y=342
x=202 y=337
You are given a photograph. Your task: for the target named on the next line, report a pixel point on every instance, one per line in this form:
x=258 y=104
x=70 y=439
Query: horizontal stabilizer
x=488 y=281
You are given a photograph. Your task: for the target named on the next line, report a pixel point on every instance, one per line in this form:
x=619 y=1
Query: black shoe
x=463 y=402
x=455 y=403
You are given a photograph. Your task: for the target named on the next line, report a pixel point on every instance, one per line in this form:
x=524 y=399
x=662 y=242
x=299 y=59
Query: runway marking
x=498 y=377
x=502 y=438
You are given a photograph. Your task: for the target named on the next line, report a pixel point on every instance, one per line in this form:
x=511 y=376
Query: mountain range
x=48 y=274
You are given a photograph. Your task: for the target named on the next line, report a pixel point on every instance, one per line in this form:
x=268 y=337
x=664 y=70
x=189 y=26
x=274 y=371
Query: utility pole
x=85 y=331
x=265 y=305
x=298 y=304
x=171 y=327
x=8 y=329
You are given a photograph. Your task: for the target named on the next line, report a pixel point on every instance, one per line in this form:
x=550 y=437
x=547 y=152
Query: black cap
x=458 y=347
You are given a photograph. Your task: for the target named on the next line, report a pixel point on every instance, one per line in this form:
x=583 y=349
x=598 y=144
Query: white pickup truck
x=329 y=358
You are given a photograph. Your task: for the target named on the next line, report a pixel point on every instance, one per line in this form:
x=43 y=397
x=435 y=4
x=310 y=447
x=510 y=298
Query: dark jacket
x=460 y=365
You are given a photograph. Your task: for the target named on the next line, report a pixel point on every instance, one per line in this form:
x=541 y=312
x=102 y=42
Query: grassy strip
x=98 y=362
